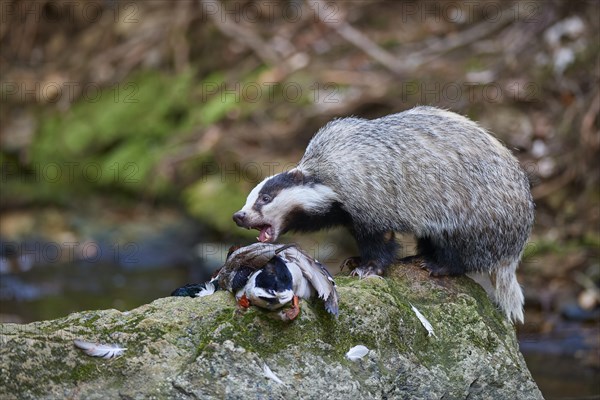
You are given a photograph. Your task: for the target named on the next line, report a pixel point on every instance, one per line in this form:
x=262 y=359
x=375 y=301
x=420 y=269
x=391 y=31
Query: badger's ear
x=297 y=176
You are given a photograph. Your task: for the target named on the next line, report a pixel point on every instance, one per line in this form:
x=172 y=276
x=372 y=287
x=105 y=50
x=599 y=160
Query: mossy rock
x=206 y=348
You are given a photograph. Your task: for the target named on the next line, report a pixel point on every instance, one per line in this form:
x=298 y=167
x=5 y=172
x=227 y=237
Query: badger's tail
x=508 y=292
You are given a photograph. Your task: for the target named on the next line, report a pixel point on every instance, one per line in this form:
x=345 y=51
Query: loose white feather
x=209 y=288
x=100 y=350
x=271 y=375
x=357 y=352
x=424 y=321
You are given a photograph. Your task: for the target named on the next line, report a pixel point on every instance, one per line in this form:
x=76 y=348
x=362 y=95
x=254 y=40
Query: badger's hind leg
x=439 y=259
x=377 y=252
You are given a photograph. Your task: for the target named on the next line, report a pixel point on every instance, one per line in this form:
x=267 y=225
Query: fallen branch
x=360 y=40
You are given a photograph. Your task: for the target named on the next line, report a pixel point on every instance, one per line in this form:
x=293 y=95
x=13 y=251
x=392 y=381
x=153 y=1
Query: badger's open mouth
x=266 y=233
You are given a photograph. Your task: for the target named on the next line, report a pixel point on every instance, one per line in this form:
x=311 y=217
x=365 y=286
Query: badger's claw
x=370 y=270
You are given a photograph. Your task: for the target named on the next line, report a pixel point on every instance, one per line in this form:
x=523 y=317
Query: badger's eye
x=265 y=198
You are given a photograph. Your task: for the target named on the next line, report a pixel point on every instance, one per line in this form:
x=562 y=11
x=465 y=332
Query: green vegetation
x=214 y=202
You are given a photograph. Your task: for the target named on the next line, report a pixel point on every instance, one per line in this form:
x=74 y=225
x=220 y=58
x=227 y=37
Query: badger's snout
x=240 y=218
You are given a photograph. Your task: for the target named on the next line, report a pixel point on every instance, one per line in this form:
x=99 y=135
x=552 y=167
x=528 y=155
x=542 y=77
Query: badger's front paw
x=368 y=270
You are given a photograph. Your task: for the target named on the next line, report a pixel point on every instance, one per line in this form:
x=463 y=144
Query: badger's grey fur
x=426 y=171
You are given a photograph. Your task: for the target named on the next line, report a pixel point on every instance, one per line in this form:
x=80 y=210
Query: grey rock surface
x=205 y=348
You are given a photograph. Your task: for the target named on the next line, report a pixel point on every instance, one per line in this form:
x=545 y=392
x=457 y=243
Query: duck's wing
x=254 y=256
x=316 y=273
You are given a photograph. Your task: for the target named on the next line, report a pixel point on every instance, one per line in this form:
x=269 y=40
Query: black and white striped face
x=272 y=204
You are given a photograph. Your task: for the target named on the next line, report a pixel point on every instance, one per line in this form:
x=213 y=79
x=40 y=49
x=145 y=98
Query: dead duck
x=270 y=276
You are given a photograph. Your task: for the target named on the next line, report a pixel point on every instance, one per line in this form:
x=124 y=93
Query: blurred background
x=130 y=131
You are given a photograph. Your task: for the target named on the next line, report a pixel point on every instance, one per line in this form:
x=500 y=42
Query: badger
x=427 y=172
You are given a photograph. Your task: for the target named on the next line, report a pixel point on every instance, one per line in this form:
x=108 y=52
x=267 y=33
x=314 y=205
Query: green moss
x=84 y=372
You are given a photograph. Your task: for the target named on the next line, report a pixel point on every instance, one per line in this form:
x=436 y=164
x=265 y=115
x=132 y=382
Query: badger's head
x=284 y=202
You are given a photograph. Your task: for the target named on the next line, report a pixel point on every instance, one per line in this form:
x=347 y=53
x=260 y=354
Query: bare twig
x=436 y=48
x=431 y=49
x=240 y=33
x=589 y=136
x=552 y=186
x=28 y=36
x=523 y=34
x=180 y=44
x=355 y=78
x=360 y=40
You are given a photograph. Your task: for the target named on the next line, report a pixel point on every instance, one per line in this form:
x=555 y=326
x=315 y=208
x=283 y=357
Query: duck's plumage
x=271 y=275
